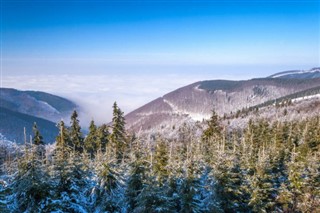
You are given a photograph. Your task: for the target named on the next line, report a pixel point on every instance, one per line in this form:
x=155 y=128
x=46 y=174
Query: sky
x=100 y=51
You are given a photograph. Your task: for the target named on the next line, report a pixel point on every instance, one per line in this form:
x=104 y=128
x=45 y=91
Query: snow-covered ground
x=306 y=98
x=295 y=72
x=7 y=145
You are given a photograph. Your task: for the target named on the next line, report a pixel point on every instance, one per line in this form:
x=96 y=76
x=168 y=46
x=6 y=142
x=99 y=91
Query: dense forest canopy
x=265 y=167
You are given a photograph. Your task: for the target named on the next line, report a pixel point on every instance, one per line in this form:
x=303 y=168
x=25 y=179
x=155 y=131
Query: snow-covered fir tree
x=265 y=167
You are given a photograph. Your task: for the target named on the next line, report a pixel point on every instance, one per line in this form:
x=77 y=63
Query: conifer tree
x=63 y=139
x=118 y=141
x=111 y=192
x=248 y=154
x=211 y=201
x=263 y=168
x=38 y=142
x=61 y=159
x=262 y=196
x=62 y=156
x=311 y=135
x=37 y=138
x=214 y=129
x=229 y=180
x=212 y=138
x=291 y=190
x=103 y=135
x=136 y=180
x=161 y=160
x=190 y=201
x=69 y=177
x=310 y=197
x=31 y=185
x=154 y=198
x=91 y=141
x=75 y=133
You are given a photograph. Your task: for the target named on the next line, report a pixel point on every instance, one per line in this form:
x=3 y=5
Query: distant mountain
x=12 y=126
x=299 y=74
x=38 y=104
x=19 y=109
x=305 y=94
x=195 y=102
x=298 y=106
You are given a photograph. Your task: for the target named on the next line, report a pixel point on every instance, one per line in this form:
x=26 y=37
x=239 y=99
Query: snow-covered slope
x=309 y=97
x=299 y=74
x=299 y=109
x=196 y=101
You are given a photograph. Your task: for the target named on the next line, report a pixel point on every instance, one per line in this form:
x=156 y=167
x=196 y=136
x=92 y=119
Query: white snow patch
x=219 y=91
x=193 y=116
x=198 y=116
x=297 y=72
x=174 y=108
x=9 y=145
x=198 y=89
x=306 y=98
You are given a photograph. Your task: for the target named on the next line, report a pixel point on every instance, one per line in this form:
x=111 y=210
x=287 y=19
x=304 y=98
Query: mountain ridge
x=21 y=109
x=36 y=103
x=197 y=100
x=311 y=73
x=15 y=122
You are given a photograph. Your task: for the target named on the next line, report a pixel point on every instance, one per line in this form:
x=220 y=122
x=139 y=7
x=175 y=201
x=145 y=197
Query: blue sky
x=153 y=39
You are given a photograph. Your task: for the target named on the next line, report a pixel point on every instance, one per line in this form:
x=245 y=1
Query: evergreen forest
x=264 y=167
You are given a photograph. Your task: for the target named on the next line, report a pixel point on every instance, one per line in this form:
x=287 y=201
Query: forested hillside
x=36 y=103
x=20 y=109
x=265 y=167
x=13 y=124
x=195 y=101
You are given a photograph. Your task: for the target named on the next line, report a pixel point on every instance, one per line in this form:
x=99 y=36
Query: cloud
x=95 y=94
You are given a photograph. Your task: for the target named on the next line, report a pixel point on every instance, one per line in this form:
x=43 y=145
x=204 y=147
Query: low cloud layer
x=95 y=94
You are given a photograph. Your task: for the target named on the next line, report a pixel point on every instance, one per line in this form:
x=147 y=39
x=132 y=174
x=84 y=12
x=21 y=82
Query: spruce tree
x=262 y=197
x=310 y=198
x=154 y=198
x=311 y=135
x=190 y=201
x=31 y=185
x=63 y=140
x=69 y=177
x=75 y=133
x=111 y=192
x=38 y=142
x=212 y=138
x=118 y=141
x=161 y=160
x=136 y=180
x=229 y=180
x=37 y=138
x=91 y=141
x=103 y=135
x=214 y=128
x=61 y=158
x=291 y=190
